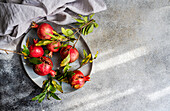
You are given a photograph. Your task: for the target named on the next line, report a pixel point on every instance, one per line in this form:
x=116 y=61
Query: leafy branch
x=49 y=88
x=87 y=58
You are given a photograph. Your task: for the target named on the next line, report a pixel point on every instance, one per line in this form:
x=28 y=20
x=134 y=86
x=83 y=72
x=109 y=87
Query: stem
x=82 y=27
x=77 y=40
x=81 y=66
x=81 y=31
x=92 y=20
x=11 y=51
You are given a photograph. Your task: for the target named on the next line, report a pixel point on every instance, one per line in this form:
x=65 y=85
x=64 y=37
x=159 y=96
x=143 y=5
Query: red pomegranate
x=43 y=29
x=78 y=79
x=51 y=47
x=74 y=54
x=45 y=67
x=36 y=51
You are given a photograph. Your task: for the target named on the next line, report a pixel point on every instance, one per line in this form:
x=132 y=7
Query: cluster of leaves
x=50 y=86
x=87 y=58
x=65 y=75
x=86 y=24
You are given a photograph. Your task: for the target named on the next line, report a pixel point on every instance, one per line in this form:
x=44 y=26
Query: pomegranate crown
x=35 y=41
x=34 y=25
x=87 y=78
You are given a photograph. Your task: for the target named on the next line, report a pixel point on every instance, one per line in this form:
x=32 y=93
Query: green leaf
x=37 y=97
x=80 y=16
x=62 y=76
x=85 y=60
x=57 y=86
x=80 y=20
x=45 y=82
x=66 y=68
x=52 y=88
x=53 y=36
x=96 y=55
x=89 y=28
x=60 y=83
x=55 y=33
x=83 y=31
x=69 y=32
x=42 y=98
x=28 y=42
x=62 y=38
x=91 y=16
x=85 y=19
x=95 y=25
x=84 y=53
x=63 y=30
x=35 y=60
x=65 y=61
x=55 y=96
x=25 y=51
x=48 y=95
x=43 y=42
x=77 y=23
x=63 y=45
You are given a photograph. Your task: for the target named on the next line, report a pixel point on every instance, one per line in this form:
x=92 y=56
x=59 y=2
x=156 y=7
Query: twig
x=88 y=23
x=77 y=40
x=81 y=66
x=82 y=27
x=11 y=51
x=81 y=31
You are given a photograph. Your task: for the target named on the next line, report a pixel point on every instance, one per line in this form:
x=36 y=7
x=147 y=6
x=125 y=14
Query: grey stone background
x=132 y=72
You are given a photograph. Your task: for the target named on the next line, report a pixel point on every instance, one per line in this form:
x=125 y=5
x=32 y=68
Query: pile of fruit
x=58 y=42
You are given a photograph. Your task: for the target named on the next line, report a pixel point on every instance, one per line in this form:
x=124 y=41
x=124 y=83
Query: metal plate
x=81 y=44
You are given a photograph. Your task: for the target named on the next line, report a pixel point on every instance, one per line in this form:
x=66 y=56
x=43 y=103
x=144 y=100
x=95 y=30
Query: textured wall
x=132 y=72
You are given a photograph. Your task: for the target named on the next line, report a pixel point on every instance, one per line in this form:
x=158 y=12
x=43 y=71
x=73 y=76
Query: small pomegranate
x=51 y=47
x=36 y=51
x=45 y=67
x=74 y=54
x=78 y=79
x=43 y=29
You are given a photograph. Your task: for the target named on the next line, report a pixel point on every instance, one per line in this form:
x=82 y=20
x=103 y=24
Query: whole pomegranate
x=36 y=51
x=51 y=47
x=74 y=54
x=45 y=67
x=43 y=29
x=78 y=79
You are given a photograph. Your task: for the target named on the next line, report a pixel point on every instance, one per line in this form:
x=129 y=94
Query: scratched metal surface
x=132 y=72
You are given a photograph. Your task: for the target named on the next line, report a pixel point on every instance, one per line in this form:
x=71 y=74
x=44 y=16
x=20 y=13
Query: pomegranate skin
x=42 y=69
x=45 y=67
x=78 y=79
x=74 y=54
x=52 y=45
x=43 y=29
x=36 y=51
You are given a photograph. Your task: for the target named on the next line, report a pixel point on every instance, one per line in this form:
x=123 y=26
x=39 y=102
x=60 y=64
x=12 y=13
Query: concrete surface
x=132 y=72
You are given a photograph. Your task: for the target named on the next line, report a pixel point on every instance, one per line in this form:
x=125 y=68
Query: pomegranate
x=51 y=47
x=78 y=79
x=74 y=54
x=36 y=51
x=43 y=29
x=45 y=67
